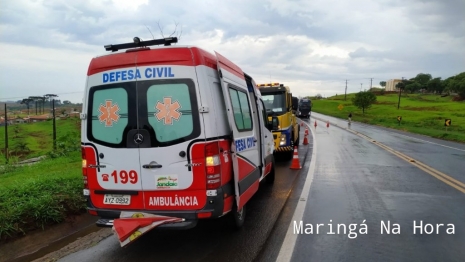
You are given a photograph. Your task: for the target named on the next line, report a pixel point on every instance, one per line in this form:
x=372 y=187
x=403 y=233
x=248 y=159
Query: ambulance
x=172 y=131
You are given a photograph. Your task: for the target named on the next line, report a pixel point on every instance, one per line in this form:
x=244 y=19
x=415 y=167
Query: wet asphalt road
x=356 y=181
x=211 y=240
x=445 y=156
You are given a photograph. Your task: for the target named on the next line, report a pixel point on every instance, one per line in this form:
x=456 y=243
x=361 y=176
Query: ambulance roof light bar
x=138 y=43
x=270 y=84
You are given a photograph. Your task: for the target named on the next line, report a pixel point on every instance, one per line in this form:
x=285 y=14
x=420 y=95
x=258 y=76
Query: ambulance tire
x=270 y=177
x=237 y=219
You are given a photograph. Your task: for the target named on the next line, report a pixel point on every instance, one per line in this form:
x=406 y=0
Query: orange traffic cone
x=315 y=124
x=305 y=140
x=306 y=131
x=295 y=160
x=327 y=124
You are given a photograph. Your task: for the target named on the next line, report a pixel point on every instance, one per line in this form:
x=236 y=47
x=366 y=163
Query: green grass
x=37 y=137
x=33 y=197
x=421 y=114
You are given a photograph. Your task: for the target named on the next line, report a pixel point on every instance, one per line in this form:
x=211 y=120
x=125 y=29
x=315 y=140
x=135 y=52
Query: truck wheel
x=297 y=142
x=237 y=218
x=270 y=177
x=290 y=154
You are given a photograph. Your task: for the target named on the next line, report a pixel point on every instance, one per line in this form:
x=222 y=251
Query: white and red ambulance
x=173 y=131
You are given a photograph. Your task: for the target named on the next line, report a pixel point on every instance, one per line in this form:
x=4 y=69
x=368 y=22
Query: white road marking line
x=285 y=253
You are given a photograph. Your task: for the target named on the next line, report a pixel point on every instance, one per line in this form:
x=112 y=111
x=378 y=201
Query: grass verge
x=421 y=114
x=36 y=196
x=36 y=139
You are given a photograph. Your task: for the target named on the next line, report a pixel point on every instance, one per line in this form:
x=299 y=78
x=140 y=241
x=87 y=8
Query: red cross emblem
x=168 y=111
x=108 y=113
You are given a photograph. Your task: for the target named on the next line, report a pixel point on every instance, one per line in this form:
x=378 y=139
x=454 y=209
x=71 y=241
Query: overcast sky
x=311 y=45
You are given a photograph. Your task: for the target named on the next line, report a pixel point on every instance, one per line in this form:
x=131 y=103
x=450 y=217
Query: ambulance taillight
x=84 y=167
x=212 y=165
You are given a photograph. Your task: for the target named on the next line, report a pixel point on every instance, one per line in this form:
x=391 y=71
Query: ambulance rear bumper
x=104 y=222
x=214 y=206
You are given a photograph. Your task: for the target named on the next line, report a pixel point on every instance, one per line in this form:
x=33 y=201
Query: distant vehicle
x=305 y=108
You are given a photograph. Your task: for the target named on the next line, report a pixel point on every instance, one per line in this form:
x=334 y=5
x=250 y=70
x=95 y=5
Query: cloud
x=315 y=45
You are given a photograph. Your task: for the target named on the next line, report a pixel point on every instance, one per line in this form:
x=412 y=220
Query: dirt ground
x=81 y=243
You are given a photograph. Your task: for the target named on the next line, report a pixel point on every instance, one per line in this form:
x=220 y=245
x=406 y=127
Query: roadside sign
x=340 y=107
x=399 y=118
x=448 y=122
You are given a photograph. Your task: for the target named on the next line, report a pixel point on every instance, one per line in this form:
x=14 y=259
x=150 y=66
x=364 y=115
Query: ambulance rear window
x=170 y=111
x=160 y=110
x=109 y=114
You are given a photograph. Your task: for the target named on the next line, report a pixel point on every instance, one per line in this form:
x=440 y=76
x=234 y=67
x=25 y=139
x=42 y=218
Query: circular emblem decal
x=138 y=138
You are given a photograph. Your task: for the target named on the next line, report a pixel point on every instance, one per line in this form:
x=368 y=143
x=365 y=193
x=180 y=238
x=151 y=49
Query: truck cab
x=279 y=108
x=305 y=108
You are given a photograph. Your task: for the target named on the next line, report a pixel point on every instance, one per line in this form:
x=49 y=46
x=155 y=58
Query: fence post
x=54 y=127
x=6 y=136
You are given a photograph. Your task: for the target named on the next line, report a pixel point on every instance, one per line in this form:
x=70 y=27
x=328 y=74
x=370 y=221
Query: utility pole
x=361 y=87
x=345 y=93
x=400 y=92
x=371 y=83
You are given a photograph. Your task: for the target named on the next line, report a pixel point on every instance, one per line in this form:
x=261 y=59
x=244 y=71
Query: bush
x=33 y=203
x=66 y=144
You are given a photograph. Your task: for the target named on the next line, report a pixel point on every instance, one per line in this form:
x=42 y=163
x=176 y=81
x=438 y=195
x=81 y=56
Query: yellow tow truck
x=281 y=113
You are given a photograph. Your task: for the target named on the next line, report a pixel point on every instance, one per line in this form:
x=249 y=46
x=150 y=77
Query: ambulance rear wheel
x=237 y=217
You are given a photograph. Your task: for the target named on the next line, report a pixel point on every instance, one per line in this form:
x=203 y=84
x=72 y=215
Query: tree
x=27 y=102
x=401 y=85
x=48 y=97
x=435 y=85
x=413 y=87
x=364 y=100
x=39 y=99
x=66 y=102
x=382 y=83
x=422 y=79
x=456 y=84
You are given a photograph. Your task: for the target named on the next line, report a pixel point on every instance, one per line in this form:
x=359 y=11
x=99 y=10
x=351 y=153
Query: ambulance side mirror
x=295 y=103
x=273 y=125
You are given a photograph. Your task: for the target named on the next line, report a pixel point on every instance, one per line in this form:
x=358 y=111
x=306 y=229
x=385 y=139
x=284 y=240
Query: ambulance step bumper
x=102 y=222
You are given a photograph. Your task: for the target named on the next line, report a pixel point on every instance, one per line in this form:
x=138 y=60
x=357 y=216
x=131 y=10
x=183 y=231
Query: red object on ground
x=315 y=123
x=295 y=160
x=305 y=140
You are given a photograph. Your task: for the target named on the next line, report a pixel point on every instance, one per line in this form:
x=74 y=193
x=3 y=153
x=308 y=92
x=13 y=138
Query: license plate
x=117 y=200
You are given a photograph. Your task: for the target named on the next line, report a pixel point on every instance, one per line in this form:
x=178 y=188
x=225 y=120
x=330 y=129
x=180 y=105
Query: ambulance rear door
x=169 y=121
x=245 y=147
x=113 y=169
